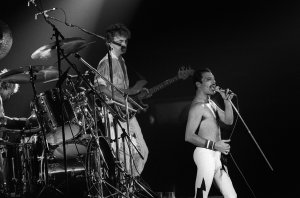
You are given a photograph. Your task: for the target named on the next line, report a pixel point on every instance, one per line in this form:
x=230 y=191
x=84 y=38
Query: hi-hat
x=5 y=39
x=68 y=46
x=22 y=75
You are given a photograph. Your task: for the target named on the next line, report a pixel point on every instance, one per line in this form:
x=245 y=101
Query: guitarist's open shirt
x=120 y=78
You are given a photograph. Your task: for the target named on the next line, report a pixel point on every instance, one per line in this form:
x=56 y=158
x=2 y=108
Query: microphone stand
x=244 y=178
x=60 y=52
x=57 y=34
x=46 y=149
x=239 y=115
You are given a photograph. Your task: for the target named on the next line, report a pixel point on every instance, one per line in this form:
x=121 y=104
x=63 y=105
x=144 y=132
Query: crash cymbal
x=21 y=75
x=5 y=39
x=68 y=45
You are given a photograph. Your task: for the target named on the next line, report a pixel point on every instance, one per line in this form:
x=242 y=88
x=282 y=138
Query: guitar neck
x=163 y=85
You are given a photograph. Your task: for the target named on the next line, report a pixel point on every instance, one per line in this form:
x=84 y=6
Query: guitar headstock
x=185 y=72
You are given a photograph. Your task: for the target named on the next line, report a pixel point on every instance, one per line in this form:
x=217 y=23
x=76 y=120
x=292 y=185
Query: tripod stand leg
x=48 y=186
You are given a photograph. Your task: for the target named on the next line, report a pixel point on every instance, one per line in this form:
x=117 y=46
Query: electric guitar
x=138 y=93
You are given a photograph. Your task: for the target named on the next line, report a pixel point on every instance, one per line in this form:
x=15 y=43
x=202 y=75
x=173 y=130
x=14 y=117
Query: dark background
x=252 y=47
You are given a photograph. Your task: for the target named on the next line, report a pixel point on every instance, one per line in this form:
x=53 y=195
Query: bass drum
x=76 y=156
x=101 y=169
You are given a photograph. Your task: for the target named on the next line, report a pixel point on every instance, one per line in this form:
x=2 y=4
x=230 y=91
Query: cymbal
x=68 y=45
x=56 y=79
x=21 y=75
x=5 y=39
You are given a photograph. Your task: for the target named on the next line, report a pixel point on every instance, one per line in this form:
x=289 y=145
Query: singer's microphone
x=219 y=89
x=44 y=12
x=30 y=1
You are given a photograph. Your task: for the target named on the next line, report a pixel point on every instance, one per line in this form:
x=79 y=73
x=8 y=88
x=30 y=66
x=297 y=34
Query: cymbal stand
x=41 y=120
x=127 y=140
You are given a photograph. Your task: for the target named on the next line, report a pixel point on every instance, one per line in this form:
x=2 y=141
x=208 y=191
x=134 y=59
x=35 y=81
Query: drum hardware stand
x=82 y=108
x=248 y=130
x=14 y=179
x=130 y=178
x=46 y=149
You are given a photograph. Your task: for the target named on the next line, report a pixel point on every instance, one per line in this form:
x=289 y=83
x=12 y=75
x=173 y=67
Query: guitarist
x=117 y=36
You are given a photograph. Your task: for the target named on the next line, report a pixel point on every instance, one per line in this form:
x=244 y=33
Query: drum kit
x=69 y=145
x=36 y=159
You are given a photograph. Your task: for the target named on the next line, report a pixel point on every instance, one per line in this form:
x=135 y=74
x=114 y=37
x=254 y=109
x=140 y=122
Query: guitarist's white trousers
x=209 y=169
x=138 y=140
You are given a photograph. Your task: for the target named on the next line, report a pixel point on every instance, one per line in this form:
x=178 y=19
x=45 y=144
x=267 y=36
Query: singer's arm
x=226 y=116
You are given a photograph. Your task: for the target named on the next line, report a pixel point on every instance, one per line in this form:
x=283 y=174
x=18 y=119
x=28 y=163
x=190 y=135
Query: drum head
x=72 y=151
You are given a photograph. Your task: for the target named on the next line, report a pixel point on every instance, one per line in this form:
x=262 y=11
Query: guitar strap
x=131 y=69
x=123 y=66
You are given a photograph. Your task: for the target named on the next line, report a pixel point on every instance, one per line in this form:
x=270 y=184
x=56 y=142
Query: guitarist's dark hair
x=117 y=29
x=198 y=74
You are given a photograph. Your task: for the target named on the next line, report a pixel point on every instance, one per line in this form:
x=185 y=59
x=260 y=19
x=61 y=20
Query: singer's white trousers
x=209 y=169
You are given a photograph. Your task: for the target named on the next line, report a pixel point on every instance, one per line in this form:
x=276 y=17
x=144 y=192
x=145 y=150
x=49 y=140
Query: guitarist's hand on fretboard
x=144 y=93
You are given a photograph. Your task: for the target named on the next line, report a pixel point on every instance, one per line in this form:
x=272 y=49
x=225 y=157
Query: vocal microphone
x=219 y=89
x=30 y=1
x=118 y=44
x=44 y=12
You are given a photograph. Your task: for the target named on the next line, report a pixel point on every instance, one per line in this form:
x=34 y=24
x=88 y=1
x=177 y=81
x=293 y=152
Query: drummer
x=6 y=90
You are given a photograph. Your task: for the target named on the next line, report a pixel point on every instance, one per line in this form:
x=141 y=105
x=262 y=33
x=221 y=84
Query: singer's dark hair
x=117 y=29
x=198 y=75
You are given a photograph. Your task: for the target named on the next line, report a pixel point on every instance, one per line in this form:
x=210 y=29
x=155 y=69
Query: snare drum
x=52 y=110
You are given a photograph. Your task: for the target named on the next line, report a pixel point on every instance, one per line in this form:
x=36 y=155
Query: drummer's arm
x=3 y=119
x=15 y=119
